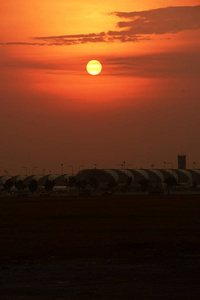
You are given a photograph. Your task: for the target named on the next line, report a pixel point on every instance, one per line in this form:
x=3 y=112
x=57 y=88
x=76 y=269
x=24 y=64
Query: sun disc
x=94 y=67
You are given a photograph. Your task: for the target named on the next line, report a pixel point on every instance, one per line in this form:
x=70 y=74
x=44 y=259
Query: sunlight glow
x=94 y=67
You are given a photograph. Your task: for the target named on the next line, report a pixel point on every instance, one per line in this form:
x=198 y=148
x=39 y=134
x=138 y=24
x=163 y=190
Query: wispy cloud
x=152 y=65
x=163 y=65
x=137 y=26
x=73 y=39
x=67 y=40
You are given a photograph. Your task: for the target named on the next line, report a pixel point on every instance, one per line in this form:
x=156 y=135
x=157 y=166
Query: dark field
x=125 y=247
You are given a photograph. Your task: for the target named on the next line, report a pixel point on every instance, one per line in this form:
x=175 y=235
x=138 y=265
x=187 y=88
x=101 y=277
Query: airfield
x=111 y=247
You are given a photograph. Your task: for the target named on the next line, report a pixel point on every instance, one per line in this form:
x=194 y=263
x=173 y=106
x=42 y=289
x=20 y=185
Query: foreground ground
x=125 y=247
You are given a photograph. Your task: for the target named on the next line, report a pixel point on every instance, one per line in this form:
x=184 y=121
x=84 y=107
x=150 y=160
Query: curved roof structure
x=13 y=178
x=158 y=174
x=125 y=177
x=6 y=182
x=62 y=180
x=169 y=172
x=20 y=178
x=195 y=176
x=184 y=175
x=155 y=176
x=143 y=173
x=138 y=175
x=46 y=182
x=104 y=179
x=19 y=182
x=28 y=179
x=112 y=173
x=41 y=180
x=128 y=173
x=3 y=179
x=195 y=170
x=97 y=177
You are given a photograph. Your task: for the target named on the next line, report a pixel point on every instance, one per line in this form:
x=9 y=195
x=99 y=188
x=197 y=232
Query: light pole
x=26 y=170
x=124 y=164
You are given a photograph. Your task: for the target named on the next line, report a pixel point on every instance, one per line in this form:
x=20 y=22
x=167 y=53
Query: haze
x=144 y=106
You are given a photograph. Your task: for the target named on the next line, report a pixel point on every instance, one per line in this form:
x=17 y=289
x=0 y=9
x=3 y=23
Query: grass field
x=123 y=230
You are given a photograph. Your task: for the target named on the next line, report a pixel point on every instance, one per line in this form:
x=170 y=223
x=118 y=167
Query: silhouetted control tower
x=181 y=161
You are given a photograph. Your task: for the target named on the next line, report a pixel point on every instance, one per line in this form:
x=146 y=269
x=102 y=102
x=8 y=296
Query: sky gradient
x=144 y=106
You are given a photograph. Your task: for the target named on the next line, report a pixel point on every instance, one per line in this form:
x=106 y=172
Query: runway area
x=125 y=247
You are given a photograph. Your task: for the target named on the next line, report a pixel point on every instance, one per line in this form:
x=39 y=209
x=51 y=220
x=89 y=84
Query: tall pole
x=61 y=169
x=124 y=164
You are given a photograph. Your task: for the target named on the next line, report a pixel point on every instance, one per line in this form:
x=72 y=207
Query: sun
x=94 y=67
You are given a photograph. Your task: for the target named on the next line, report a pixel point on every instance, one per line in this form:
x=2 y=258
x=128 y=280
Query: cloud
x=161 y=20
x=72 y=39
x=162 y=65
x=152 y=65
x=67 y=40
x=136 y=27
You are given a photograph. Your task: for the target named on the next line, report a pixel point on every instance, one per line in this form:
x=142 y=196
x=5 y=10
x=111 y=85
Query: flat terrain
x=124 y=247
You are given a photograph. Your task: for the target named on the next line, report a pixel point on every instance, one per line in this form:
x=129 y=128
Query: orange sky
x=144 y=106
